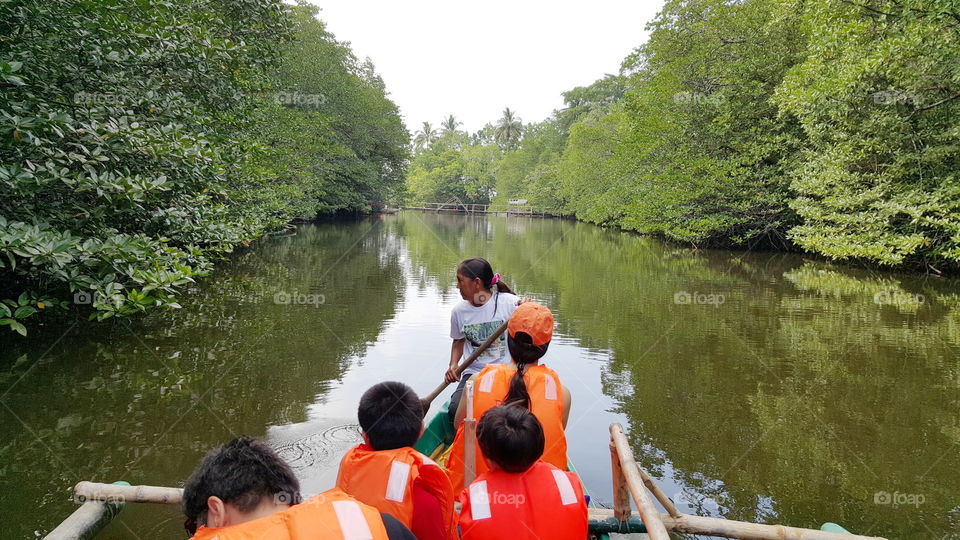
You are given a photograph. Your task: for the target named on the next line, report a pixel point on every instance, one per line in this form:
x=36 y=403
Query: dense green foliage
x=825 y=125
x=877 y=97
x=140 y=141
x=338 y=142
x=709 y=150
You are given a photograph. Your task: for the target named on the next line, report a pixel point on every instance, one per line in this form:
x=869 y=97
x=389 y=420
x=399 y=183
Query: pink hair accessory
x=495 y=280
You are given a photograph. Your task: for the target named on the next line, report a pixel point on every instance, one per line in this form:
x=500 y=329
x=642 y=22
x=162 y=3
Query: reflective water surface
x=755 y=386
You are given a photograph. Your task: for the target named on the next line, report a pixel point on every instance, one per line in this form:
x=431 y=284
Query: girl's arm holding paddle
x=456 y=352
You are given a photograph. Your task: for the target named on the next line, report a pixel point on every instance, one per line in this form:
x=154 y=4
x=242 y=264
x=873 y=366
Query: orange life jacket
x=546 y=403
x=543 y=502
x=331 y=515
x=384 y=479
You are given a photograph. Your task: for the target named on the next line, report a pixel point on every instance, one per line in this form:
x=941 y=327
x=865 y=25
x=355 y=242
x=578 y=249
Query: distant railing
x=464 y=208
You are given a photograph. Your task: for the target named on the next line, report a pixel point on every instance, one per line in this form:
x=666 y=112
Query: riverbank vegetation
x=828 y=126
x=140 y=142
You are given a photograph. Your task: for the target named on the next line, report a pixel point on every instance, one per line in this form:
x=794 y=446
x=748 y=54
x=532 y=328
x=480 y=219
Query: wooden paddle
x=426 y=401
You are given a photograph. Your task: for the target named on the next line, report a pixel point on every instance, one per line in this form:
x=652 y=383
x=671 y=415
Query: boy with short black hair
x=244 y=490
x=390 y=415
x=238 y=482
x=519 y=488
x=387 y=473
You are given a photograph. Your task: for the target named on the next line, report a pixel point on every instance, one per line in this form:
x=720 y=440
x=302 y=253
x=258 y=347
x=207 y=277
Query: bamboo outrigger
x=102 y=502
x=631 y=481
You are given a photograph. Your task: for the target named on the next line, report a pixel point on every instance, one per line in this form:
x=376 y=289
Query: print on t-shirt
x=477 y=333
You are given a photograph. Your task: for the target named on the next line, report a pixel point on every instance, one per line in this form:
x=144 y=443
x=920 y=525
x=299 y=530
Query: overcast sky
x=472 y=59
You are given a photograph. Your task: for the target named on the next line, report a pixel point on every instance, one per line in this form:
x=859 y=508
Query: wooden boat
x=102 y=502
x=438 y=435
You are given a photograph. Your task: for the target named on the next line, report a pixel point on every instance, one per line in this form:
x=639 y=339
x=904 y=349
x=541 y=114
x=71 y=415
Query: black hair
x=477 y=267
x=391 y=416
x=241 y=472
x=523 y=352
x=511 y=437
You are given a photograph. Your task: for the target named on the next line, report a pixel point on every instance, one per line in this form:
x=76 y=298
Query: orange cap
x=534 y=320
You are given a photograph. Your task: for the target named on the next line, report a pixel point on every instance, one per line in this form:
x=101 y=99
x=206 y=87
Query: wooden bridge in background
x=455 y=206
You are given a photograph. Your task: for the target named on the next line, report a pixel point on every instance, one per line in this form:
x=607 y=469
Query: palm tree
x=424 y=137
x=450 y=124
x=508 y=130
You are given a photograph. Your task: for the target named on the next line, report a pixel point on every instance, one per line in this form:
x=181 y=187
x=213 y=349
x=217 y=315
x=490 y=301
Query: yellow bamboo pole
x=94 y=491
x=726 y=528
x=621 y=492
x=631 y=471
x=469 y=438
x=659 y=494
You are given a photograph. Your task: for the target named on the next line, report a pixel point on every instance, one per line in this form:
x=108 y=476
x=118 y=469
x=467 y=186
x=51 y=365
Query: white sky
x=474 y=59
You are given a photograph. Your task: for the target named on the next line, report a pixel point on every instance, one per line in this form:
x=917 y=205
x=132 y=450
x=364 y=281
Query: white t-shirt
x=475 y=324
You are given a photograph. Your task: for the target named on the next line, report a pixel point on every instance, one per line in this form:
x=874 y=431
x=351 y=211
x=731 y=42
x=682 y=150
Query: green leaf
x=20 y=361
x=24 y=312
x=19 y=328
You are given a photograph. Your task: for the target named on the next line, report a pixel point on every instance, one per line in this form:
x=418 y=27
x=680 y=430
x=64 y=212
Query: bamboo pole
x=726 y=528
x=659 y=494
x=645 y=507
x=469 y=450
x=469 y=438
x=85 y=522
x=93 y=491
x=621 y=492
x=426 y=401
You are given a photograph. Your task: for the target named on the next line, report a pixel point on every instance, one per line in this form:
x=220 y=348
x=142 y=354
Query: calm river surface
x=753 y=386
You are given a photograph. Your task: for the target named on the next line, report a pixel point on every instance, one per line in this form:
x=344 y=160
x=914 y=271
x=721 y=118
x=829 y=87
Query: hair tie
x=495 y=280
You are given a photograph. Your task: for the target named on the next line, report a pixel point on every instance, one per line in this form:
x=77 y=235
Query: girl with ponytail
x=523 y=382
x=487 y=303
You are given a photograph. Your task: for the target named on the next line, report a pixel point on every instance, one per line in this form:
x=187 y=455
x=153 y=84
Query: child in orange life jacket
x=243 y=490
x=387 y=473
x=520 y=493
x=523 y=381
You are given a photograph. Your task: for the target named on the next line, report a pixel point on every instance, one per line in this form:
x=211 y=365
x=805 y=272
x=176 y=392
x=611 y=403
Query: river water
x=754 y=386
